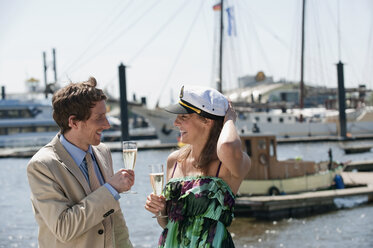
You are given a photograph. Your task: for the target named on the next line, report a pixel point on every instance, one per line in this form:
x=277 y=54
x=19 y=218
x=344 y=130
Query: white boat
x=29 y=123
x=282 y=125
x=26 y=123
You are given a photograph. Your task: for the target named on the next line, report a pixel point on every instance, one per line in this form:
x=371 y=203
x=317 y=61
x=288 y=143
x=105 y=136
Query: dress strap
x=173 y=172
x=217 y=173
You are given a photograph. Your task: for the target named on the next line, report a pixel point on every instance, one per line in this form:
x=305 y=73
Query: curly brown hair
x=75 y=99
x=209 y=152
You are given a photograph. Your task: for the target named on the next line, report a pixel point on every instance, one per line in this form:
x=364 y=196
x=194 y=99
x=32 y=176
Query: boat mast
x=220 y=78
x=301 y=93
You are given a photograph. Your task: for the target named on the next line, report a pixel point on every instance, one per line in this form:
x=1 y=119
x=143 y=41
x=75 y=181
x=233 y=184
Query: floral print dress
x=199 y=211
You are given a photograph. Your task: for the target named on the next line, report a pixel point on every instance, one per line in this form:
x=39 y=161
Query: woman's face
x=192 y=127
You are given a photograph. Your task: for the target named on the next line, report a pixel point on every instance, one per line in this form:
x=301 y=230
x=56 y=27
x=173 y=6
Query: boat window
x=26 y=129
x=262 y=144
x=257 y=118
x=41 y=129
x=3 y=131
x=46 y=129
x=248 y=147
x=272 y=152
x=24 y=113
x=269 y=119
x=13 y=130
x=15 y=113
x=281 y=120
x=54 y=128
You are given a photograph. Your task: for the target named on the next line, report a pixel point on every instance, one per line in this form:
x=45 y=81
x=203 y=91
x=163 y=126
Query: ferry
x=29 y=123
x=25 y=123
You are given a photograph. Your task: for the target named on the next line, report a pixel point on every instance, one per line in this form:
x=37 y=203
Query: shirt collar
x=75 y=152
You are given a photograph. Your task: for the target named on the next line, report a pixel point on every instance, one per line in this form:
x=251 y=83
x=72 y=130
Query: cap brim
x=178 y=109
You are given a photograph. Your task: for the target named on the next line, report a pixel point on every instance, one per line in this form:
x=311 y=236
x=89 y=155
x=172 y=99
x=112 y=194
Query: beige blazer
x=68 y=213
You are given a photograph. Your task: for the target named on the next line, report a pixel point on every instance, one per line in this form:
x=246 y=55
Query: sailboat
x=283 y=122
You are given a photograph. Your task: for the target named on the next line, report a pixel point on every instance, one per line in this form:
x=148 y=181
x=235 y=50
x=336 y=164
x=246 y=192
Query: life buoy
x=263 y=159
x=273 y=191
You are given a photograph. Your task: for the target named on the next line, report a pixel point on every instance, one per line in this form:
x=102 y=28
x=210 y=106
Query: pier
x=27 y=152
x=142 y=145
x=308 y=203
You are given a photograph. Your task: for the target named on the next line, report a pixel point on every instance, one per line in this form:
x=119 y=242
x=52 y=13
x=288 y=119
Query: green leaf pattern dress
x=199 y=211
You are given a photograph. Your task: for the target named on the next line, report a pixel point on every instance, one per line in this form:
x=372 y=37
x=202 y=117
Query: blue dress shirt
x=78 y=155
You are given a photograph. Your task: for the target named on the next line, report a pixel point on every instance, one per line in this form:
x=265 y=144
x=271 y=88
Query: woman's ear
x=209 y=122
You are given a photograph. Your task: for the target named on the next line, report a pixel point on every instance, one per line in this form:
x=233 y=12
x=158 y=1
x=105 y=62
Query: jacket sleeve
x=65 y=218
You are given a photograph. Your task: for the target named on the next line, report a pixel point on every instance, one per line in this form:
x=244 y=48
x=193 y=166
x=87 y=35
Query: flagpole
x=220 y=79
x=301 y=87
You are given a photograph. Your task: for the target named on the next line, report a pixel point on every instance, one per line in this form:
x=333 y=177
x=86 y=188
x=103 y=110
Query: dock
x=361 y=166
x=19 y=152
x=321 y=138
x=142 y=145
x=357 y=178
x=27 y=152
x=308 y=203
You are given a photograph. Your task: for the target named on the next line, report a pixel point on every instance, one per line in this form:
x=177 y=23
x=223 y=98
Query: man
x=74 y=191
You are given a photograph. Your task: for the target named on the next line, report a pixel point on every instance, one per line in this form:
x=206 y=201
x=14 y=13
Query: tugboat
x=269 y=176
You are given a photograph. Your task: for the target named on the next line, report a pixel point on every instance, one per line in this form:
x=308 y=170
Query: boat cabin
x=262 y=151
x=268 y=176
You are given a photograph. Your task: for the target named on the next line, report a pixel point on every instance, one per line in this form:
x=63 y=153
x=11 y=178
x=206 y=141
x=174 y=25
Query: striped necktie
x=95 y=184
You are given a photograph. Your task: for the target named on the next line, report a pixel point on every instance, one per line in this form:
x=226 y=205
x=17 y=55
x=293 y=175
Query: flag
x=216 y=7
x=231 y=22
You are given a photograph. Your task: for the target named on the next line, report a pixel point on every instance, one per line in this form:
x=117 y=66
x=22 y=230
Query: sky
x=167 y=43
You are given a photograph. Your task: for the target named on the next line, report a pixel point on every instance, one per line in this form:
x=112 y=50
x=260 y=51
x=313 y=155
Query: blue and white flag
x=231 y=22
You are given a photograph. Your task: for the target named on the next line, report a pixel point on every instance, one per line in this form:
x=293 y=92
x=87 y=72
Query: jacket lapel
x=67 y=161
x=102 y=163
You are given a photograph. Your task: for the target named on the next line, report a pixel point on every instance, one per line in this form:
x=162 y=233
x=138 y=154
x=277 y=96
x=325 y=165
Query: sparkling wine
x=156 y=179
x=129 y=158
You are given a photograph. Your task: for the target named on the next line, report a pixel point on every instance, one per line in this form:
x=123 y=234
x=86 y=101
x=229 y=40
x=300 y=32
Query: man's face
x=90 y=131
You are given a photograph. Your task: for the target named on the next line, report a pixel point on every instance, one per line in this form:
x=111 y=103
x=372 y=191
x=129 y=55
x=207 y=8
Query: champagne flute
x=129 y=157
x=156 y=179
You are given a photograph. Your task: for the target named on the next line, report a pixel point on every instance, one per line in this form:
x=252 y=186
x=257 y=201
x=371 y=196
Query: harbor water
x=350 y=227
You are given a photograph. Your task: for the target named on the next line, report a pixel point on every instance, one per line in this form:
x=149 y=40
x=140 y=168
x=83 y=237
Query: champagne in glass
x=157 y=180
x=129 y=157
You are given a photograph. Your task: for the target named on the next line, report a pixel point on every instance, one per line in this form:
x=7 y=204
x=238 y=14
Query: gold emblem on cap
x=181 y=92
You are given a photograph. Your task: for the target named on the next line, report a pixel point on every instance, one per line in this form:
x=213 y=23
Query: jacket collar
x=67 y=161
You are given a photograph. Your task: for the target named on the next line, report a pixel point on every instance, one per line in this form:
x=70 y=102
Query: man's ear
x=73 y=122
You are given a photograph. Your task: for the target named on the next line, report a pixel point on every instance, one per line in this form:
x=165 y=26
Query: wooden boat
x=359 y=166
x=351 y=148
x=269 y=176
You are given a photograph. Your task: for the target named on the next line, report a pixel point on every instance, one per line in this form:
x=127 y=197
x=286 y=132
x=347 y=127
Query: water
x=344 y=228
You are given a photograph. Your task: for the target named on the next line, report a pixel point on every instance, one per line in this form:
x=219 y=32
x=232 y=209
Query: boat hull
x=167 y=133
x=321 y=180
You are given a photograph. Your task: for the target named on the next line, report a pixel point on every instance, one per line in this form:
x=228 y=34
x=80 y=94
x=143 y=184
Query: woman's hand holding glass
x=156 y=202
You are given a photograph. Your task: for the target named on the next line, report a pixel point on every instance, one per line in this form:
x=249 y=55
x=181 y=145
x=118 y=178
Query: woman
x=203 y=177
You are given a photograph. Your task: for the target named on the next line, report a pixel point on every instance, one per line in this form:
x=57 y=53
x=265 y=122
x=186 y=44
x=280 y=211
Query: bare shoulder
x=171 y=160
